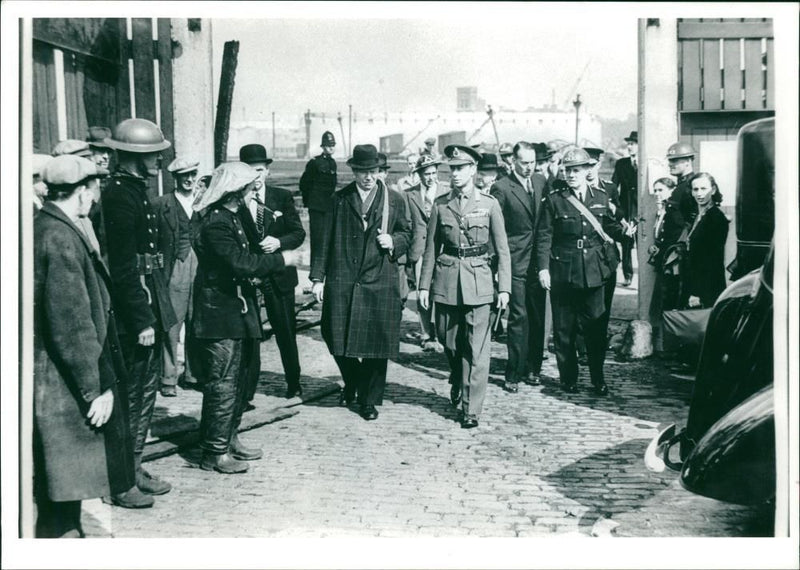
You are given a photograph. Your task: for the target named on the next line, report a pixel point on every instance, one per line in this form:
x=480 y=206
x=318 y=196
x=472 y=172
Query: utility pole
x=308 y=133
x=230 y=57
x=577 y=103
x=273 y=134
x=349 y=129
x=341 y=128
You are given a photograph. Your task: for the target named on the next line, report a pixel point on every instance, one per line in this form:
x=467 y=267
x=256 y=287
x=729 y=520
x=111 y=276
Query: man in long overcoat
x=355 y=277
x=82 y=448
x=626 y=178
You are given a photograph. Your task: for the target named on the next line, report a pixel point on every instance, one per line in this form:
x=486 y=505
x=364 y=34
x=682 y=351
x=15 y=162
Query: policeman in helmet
x=680 y=157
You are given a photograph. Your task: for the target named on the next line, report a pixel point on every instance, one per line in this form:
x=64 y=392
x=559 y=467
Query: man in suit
x=626 y=177
x=575 y=257
x=355 y=277
x=276 y=225
x=519 y=196
x=543 y=156
x=317 y=184
x=176 y=228
x=466 y=226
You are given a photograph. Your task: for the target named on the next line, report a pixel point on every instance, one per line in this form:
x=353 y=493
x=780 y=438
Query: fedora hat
x=633 y=137
x=425 y=161
x=252 y=153
x=365 y=157
x=97 y=137
x=488 y=161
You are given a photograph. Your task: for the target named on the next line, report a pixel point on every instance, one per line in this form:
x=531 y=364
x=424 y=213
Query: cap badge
x=456 y=153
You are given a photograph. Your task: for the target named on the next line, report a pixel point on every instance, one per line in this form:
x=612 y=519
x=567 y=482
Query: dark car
x=727 y=449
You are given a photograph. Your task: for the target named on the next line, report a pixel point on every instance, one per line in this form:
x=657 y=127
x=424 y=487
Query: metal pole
x=577 y=103
x=308 y=133
x=222 y=124
x=349 y=129
x=273 y=134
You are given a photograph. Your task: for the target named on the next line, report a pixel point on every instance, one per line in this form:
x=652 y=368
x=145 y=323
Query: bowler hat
x=425 y=161
x=252 y=153
x=488 y=161
x=327 y=139
x=543 y=153
x=633 y=137
x=365 y=157
x=183 y=165
x=459 y=154
x=72 y=146
x=69 y=169
x=97 y=137
x=384 y=164
x=576 y=157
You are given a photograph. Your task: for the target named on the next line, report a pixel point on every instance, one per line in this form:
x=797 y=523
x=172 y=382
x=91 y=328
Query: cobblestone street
x=542 y=462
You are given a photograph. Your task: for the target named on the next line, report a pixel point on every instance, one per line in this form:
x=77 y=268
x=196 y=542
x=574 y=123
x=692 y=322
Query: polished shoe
x=223 y=463
x=571 y=388
x=455 y=395
x=345 y=399
x=133 y=498
x=627 y=282
x=239 y=451
x=511 y=387
x=601 y=389
x=469 y=422
x=293 y=391
x=534 y=379
x=169 y=391
x=369 y=413
x=151 y=485
x=249 y=407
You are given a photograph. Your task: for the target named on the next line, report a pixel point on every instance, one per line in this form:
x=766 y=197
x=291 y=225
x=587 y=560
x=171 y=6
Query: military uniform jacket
x=318 y=183
x=166 y=208
x=568 y=245
x=520 y=212
x=361 y=308
x=131 y=229
x=446 y=275
x=224 y=269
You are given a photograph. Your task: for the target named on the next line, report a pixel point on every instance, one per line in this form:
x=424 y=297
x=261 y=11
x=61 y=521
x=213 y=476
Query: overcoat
x=705 y=267
x=361 y=309
x=626 y=178
x=318 y=182
x=76 y=359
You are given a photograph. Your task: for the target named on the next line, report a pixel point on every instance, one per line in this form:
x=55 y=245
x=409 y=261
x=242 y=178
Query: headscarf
x=227 y=178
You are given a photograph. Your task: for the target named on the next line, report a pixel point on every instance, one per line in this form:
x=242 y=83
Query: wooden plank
x=143 y=78
x=753 y=75
x=770 y=74
x=123 y=90
x=45 y=120
x=165 y=82
x=691 y=75
x=222 y=121
x=716 y=30
x=73 y=88
x=98 y=37
x=100 y=92
x=712 y=76
x=732 y=74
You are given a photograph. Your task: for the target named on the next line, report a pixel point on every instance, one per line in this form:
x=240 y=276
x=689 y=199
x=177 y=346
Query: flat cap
x=70 y=169
x=459 y=154
x=72 y=146
x=38 y=162
x=505 y=148
x=430 y=140
x=183 y=165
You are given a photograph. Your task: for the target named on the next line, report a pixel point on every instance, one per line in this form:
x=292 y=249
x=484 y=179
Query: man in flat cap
x=177 y=224
x=273 y=225
x=317 y=184
x=575 y=256
x=355 y=276
x=626 y=178
x=465 y=228
x=430 y=148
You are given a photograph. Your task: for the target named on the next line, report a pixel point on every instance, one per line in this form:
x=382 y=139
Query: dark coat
x=626 y=177
x=131 y=229
x=682 y=195
x=287 y=228
x=669 y=232
x=361 y=309
x=705 y=267
x=225 y=265
x=76 y=358
x=167 y=209
x=318 y=182
x=520 y=213
x=561 y=226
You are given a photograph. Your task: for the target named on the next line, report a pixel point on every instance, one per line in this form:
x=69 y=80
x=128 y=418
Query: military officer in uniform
x=465 y=228
x=680 y=157
x=317 y=185
x=140 y=294
x=576 y=256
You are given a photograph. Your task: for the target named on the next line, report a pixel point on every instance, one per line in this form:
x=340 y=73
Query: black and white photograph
x=364 y=282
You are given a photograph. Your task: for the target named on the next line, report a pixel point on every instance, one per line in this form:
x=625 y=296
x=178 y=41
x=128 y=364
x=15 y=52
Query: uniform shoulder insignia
x=600 y=189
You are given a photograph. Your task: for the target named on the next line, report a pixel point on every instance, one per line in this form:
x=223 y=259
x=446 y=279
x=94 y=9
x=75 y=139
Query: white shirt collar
x=185 y=202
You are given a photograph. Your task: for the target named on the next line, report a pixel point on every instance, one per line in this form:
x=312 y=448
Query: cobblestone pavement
x=541 y=463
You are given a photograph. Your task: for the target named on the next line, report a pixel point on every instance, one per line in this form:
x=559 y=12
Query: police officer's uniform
x=317 y=185
x=464 y=230
x=580 y=263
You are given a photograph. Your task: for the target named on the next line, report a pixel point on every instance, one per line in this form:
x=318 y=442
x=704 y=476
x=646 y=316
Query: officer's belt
x=146 y=262
x=470 y=251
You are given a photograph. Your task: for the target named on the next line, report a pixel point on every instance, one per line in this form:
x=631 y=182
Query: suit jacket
x=318 y=182
x=419 y=220
x=444 y=274
x=567 y=244
x=167 y=210
x=520 y=213
x=626 y=178
x=361 y=310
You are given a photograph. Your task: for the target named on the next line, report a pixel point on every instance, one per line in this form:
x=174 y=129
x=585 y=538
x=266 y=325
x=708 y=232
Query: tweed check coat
x=361 y=307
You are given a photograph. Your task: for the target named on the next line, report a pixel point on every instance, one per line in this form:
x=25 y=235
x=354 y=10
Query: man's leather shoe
x=455 y=395
x=369 y=413
x=627 y=282
x=293 y=391
x=239 y=451
x=249 y=407
x=511 y=387
x=151 y=485
x=601 y=389
x=133 y=498
x=223 y=463
x=346 y=399
x=169 y=391
x=534 y=379
x=571 y=388
x=469 y=422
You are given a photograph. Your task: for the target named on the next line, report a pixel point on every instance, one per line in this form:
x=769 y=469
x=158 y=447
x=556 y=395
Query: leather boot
x=239 y=451
x=148 y=483
x=133 y=498
x=222 y=463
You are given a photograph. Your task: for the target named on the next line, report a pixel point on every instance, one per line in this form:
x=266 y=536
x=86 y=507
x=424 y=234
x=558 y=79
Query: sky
x=516 y=55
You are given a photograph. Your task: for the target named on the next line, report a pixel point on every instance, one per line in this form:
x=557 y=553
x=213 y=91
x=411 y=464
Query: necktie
x=580 y=195
x=259 y=216
x=633 y=162
x=528 y=188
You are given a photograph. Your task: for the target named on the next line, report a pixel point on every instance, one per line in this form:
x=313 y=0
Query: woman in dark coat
x=705 y=267
x=81 y=444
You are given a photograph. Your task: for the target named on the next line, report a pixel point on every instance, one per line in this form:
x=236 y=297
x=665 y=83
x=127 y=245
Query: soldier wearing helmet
x=140 y=293
x=576 y=257
x=680 y=157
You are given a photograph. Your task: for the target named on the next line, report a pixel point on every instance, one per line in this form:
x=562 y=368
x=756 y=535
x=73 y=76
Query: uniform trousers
x=426 y=318
x=574 y=308
x=525 y=333
x=365 y=377
x=280 y=312
x=464 y=331
x=222 y=369
x=144 y=368
x=180 y=296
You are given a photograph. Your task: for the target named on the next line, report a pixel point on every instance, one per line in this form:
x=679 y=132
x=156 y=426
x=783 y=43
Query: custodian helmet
x=137 y=135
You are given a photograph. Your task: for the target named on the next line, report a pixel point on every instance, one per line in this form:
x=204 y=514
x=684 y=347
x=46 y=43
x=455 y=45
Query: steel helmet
x=680 y=150
x=576 y=157
x=137 y=135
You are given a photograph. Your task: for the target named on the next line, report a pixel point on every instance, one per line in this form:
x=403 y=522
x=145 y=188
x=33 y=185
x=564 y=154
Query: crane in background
x=568 y=101
x=489 y=119
x=422 y=130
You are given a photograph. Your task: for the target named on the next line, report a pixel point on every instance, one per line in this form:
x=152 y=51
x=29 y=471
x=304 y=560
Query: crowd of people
x=120 y=279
